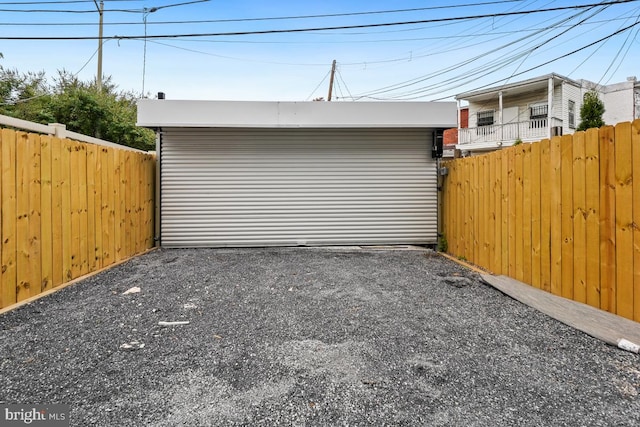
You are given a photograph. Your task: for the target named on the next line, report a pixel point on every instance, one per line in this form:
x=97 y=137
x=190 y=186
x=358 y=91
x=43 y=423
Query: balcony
x=495 y=136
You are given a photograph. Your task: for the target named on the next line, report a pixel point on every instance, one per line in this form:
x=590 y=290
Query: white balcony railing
x=530 y=130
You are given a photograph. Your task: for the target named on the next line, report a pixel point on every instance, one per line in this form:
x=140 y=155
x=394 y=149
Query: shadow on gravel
x=308 y=337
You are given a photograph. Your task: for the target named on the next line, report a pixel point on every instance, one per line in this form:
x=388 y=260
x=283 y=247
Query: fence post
x=58 y=130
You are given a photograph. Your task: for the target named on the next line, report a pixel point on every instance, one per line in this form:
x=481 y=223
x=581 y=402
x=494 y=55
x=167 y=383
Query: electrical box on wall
x=438 y=140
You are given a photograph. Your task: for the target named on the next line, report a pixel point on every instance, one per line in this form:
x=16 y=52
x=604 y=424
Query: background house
x=538 y=108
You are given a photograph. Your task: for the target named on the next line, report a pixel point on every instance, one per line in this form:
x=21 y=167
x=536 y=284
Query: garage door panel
x=297 y=186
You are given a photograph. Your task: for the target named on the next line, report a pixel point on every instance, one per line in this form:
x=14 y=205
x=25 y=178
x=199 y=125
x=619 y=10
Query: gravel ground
x=307 y=337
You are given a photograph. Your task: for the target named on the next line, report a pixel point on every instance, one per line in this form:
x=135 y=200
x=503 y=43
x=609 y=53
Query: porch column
x=549 y=106
x=500 y=135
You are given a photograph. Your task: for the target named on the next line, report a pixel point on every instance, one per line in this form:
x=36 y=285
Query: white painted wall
x=619 y=103
x=244 y=114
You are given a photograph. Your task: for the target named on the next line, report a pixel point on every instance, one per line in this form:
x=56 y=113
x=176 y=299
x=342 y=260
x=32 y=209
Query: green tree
x=591 y=111
x=106 y=114
x=24 y=95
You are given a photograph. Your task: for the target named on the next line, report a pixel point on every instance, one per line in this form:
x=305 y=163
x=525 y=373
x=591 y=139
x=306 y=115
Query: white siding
x=263 y=187
x=558 y=109
x=571 y=93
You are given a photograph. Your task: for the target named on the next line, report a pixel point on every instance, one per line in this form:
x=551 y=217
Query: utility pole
x=99 y=76
x=333 y=74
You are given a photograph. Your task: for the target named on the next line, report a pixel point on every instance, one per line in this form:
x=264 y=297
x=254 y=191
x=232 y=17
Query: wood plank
x=46 y=230
x=486 y=233
x=460 y=213
x=65 y=206
x=635 y=144
x=466 y=197
x=624 y=220
x=592 y=221
x=56 y=211
x=512 y=212
x=22 y=215
x=579 y=218
x=496 y=189
x=76 y=209
x=607 y=219
x=142 y=207
x=82 y=208
x=475 y=220
x=535 y=186
x=526 y=214
x=131 y=187
x=35 y=239
x=109 y=181
x=596 y=323
x=491 y=232
x=118 y=195
x=8 y=215
x=470 y=206
x=113 y=205
x=545 y=215
x=567 y=216
x=135 y=204
x=91 y=154
x=556 y=216
x=505 y=211
x=99 y=194
x=519 y=197
x=468 y=210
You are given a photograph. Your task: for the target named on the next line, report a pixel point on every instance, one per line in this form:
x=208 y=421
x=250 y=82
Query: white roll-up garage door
x=284 y=187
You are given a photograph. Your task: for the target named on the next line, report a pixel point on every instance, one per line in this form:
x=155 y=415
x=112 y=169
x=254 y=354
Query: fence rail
x=562 y=215
x=68 y=208
x=60 y=131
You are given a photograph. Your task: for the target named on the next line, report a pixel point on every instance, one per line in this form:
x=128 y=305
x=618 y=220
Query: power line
x=618 y=54
x=278 y=18
x=69 y=11
x=573 y=52
x=137 y=23
x=329 y=28
x=457 y=66
x=319 y=84
x=13 y=3
x=236 y=58
x=344 y=83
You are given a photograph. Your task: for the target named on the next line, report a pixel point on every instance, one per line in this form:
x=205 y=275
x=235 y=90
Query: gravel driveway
x=313 y=337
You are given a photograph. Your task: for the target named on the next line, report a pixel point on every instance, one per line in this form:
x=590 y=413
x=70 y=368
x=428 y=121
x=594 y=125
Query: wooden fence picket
x=562 y=215
x=63 y=205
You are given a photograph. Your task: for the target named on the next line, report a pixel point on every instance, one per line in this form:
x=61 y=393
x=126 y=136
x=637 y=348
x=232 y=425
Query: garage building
x=234 y=174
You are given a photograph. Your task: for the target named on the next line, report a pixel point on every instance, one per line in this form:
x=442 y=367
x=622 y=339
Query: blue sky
x=424 y=61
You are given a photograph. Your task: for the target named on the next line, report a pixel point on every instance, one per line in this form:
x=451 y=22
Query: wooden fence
x=562 y=215
x=68 y=209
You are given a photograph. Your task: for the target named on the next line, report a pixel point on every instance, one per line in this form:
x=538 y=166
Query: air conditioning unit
x=556 y=131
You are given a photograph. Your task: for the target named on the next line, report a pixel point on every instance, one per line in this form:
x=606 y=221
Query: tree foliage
x=591 y=111
x=107 y=114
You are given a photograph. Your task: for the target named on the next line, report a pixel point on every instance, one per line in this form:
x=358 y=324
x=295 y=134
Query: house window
x=538 y=116
x=485 y=118
x=572 y=114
